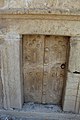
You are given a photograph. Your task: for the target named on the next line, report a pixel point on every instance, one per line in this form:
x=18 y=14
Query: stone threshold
x=41 y=115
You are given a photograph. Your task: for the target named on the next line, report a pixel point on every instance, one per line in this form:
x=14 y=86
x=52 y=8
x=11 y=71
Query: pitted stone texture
x=74 y=59
x=67 y=4
x=48 y=27
x=18 y=3
x=72 y=93
x=12 y=74
x=12 y=36
x=1 y=86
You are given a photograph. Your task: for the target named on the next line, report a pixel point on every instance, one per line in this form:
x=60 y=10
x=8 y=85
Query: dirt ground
x=31 y=111
x=7 y=117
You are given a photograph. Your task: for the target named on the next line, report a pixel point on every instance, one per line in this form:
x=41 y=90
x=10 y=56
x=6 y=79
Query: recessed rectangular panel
x=55 y=49
x=33 y=51
x=44 y=66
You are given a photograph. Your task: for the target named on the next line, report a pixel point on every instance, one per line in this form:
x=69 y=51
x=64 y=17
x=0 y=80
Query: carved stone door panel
x=55 y=51
x=44 y=62
x=33 y=52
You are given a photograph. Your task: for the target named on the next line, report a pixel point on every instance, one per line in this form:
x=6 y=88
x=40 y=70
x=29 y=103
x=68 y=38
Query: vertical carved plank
x=33 y=51
x=54 y=68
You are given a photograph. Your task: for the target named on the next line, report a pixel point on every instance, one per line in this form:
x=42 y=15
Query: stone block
x=73 y=78
x=72 y=92
x=70 y=98
x=71 y=101
x=72 y=85
x=12 y=71
x=77 y=107
x=79 y=90
x=69 y=106
x=1 y=92
x=45 y=4
x=74 y=58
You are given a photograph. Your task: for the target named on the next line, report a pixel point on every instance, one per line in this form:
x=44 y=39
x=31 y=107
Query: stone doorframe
x=11 y=59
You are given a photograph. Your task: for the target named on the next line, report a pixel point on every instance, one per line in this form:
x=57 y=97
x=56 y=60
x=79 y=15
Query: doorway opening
x=44 y=68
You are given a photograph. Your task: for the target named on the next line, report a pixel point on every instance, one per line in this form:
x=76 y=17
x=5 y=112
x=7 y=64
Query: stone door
x=44 y=66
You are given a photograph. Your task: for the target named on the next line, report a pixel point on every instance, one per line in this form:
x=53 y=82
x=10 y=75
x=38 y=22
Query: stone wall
x=47 y=17
x=42 y=4
x=1 y=86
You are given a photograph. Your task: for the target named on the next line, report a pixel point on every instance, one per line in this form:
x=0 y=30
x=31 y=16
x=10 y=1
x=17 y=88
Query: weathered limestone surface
x=72 y=97
x=44 y=27
x=74 y=57
x=78 y=100
x=67 y=4
x=45 y=3
x=42 y=6
x=46 y=17
x=11 y=70
x=1 y=86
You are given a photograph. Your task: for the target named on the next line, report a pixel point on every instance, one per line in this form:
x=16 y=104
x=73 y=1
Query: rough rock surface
x=67 y=6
